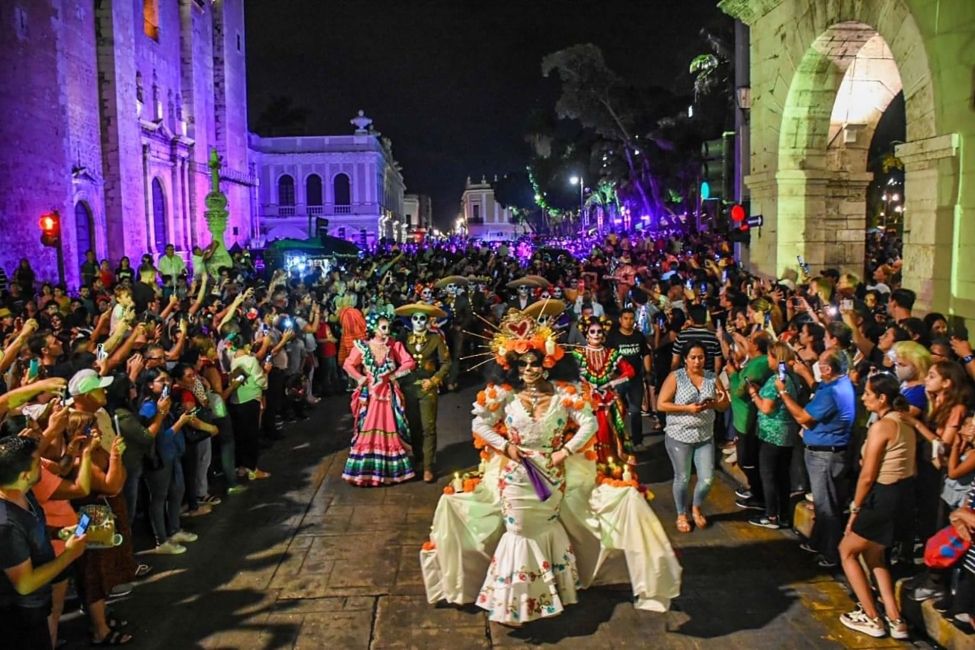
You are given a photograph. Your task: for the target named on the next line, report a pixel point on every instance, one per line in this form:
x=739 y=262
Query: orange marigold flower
x=481 y=398
x=479 y=442
x=506 y=387
x=570 y=389
x=559 y=353
x=491 y=393
x=548 y=362
x=494 y=406
x=428 y=545
x=567 y=403
x=522 y=346
x=448 y=489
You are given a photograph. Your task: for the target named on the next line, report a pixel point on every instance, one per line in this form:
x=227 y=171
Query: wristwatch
x=967 y=359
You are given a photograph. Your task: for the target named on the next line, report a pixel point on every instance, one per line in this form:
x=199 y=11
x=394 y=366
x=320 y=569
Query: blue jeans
x=828 y=472
x=682 y=455
x=131 y=490
x=166 y=490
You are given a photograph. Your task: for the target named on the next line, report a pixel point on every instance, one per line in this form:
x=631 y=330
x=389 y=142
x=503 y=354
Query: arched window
x=84 y=228
x=286 y=190
x=342 y=189
x=159 y=228
x=286 y=196
x=313 y=190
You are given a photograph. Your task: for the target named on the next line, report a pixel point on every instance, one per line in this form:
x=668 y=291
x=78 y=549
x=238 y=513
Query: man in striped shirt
x=696 y=331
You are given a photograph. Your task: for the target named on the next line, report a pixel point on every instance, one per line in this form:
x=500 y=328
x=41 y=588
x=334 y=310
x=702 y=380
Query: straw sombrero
x=549 y=308
x=420 y=308
x=452 y=279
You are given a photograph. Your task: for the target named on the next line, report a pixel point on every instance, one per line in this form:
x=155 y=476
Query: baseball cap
x=87 y=380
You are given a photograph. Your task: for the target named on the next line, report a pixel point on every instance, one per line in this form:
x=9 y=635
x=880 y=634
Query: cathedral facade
x=110 y=112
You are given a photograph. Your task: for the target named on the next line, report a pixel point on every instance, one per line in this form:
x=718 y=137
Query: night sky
x=453 y=82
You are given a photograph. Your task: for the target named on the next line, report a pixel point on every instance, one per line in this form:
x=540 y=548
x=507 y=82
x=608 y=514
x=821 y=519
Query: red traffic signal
x=50 y=224
x=738 y=213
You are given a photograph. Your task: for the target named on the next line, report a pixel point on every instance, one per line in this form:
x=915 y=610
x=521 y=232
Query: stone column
x=930 y=203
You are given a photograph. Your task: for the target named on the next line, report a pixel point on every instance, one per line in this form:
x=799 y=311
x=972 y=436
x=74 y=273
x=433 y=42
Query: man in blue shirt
x=827 y=421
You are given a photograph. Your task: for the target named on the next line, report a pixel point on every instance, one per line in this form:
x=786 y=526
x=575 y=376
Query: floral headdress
x=602 y=321
x=374 y=316
x=520 y=333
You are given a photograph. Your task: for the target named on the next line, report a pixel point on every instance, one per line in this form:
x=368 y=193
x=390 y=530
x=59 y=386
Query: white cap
x=87 y=380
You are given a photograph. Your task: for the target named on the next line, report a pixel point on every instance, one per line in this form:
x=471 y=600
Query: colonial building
x=485 y=218
x=418 y=211
x=822 y=74
x=109 y=112
x=350 y=180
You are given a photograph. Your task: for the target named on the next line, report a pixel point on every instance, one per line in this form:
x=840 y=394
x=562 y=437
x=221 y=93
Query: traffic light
x=742 y=222
x=718 y=167
x=50 y=224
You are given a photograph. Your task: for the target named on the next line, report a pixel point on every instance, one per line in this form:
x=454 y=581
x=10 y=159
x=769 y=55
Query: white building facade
x=353 y=181
x=483 y=216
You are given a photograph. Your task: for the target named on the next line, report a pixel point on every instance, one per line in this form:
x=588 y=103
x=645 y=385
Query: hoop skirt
x=522 y=558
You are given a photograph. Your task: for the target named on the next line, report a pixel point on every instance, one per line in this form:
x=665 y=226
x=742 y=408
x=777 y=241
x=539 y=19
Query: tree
x=626 y=118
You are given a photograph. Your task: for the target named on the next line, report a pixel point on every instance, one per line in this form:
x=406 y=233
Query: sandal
x=143 y=570
x=113 y=638
x=683 y=525
x=699 y=519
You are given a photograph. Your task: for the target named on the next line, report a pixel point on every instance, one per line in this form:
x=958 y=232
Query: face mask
x=419 y=322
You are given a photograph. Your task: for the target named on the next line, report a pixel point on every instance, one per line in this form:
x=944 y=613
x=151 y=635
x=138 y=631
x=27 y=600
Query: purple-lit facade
x=109 y=112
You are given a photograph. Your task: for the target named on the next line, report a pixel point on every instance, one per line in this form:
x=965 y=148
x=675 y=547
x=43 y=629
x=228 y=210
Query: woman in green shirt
x=777 y=434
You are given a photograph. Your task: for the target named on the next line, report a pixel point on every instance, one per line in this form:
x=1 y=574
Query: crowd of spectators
x=151 y=392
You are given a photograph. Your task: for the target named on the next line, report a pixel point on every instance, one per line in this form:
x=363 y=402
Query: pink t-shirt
x=58 y=512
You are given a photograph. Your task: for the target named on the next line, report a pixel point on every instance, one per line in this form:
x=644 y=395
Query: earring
x=545 y=374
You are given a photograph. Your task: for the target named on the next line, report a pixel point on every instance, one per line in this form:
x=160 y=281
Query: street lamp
x=577 y=180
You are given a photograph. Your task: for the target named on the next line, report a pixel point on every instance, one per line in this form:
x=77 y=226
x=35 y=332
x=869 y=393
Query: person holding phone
x=28 y=563
x=690 y=396
x=778 y=434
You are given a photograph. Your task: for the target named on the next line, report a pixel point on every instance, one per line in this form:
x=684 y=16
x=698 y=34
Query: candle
x=482 y=467
x=627 y=476
x=457 y=483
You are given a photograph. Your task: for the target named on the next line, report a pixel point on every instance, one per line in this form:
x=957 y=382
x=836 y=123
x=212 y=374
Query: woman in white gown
x=542 y=523
x=533 y=572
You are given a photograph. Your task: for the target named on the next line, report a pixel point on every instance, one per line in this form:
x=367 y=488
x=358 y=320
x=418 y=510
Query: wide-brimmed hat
x=420 y=308
x=452 y=279
x=527 y=281
x=541 y=282
x=549 y=307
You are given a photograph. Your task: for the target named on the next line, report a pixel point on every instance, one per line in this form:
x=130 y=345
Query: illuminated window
x=150 y=18
x=286 y=190
x=159 y=229
x=342 y=189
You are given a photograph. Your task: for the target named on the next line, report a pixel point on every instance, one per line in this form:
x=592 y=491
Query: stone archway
x=821 y=74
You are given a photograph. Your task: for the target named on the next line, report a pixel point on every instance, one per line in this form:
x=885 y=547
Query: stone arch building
x=822 y=72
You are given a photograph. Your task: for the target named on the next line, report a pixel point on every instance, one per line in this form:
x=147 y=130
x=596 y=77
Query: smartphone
x=165 y=391
x=724 y=276
x=783 y=371
x=34 y=368
x=832 y=311
x=802 y=264
x=267 y=359
x=689 y=284
x=83 y=522
x=846 y=305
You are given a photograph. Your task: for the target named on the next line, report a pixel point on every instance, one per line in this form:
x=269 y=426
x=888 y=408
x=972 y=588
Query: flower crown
x=373 y=318
x=602 y=321
x=520 y=333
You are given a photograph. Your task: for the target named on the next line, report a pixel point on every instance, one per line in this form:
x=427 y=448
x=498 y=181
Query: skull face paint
x=382 y=329
x=426 y=295
x=451 y=289
x=530 y=369
x=557 y=293
x=595 y=335
x=420 y=323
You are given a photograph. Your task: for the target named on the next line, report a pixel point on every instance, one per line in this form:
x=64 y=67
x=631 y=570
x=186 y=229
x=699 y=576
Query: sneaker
x=963 y=617
x=170 y=548
x=236 y=489
x=743 y=493
x=199 y=511
x=825 y=563
x=749 y=504
x=765 y=522
x=120 y=591
x=808 y=548
x=257 y=474
x=859 y=621
x=926 y=592
x=183 y=536
x=897 y=629
x=732 y=458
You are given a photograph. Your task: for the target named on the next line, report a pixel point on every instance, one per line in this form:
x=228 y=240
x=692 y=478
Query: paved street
x=305 y=561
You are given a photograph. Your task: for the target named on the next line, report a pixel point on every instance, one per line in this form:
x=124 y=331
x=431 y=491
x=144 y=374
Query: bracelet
x=967 y=359
x=854 y=509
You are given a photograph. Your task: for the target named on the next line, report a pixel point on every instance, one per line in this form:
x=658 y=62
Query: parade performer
x=421 y=387
x=461 y=317
x=538 y=513
x=380 y=430
x=602 y=369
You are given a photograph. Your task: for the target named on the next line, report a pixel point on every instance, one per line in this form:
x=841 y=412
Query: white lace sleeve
x=580 y=412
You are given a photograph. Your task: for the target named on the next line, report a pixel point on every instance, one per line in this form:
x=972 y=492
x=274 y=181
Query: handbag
x=945 y=549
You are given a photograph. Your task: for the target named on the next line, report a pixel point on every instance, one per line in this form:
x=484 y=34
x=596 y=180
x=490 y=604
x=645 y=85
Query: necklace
x=534 y=397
